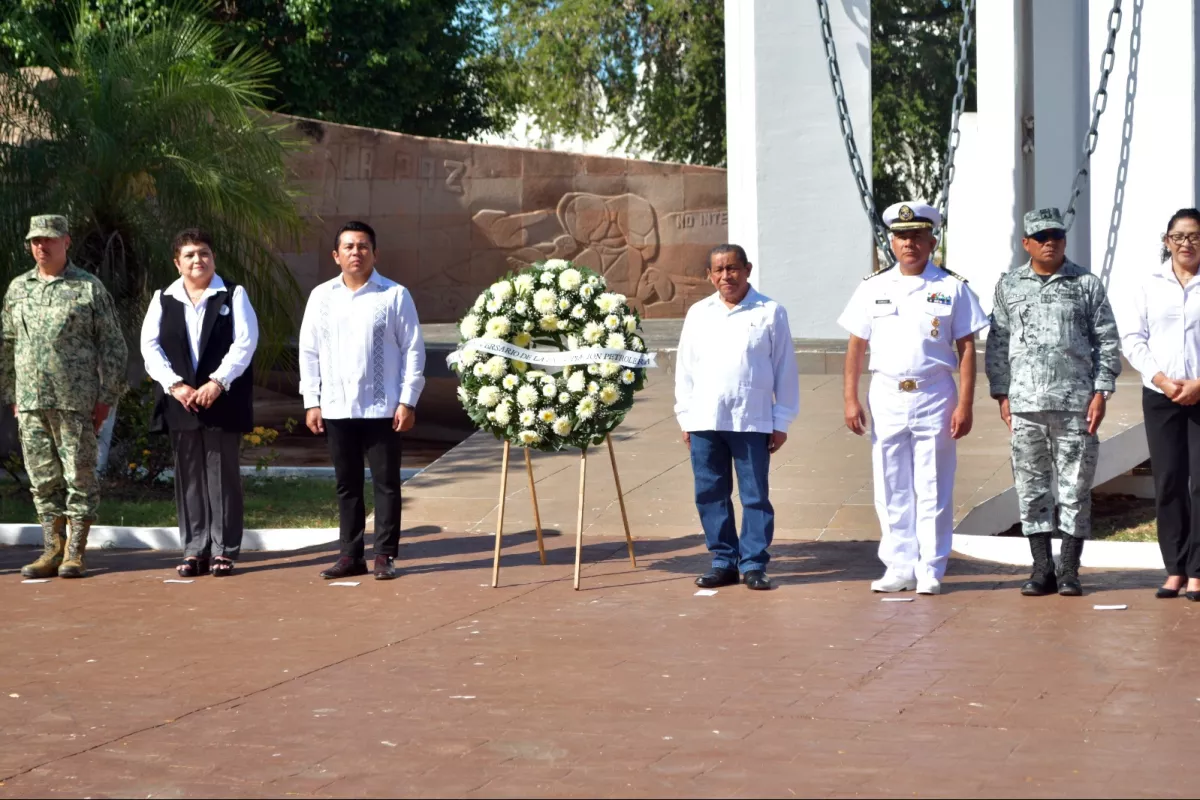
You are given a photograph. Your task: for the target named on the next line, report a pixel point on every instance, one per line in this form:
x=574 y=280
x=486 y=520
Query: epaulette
x=954 y=275
x=880 y=272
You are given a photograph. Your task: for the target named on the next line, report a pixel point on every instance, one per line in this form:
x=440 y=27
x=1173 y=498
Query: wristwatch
x=1105 y=393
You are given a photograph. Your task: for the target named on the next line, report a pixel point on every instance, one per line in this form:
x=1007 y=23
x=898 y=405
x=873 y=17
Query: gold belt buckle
x=908 y=385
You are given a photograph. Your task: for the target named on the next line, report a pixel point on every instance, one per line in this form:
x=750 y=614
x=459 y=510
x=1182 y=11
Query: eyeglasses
x=1041 y=237
x=1180 y=238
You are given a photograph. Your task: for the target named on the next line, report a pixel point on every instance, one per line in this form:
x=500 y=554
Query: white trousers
x=914 y=458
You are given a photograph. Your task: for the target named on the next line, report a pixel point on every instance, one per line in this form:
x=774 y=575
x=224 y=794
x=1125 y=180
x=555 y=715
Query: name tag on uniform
x=883 y=302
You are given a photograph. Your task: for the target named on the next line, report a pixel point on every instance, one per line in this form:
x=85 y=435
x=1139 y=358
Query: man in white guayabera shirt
x=362 y=360
x=736 y=392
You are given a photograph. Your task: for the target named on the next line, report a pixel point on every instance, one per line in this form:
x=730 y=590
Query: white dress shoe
x=892 y=584
x=930 y=586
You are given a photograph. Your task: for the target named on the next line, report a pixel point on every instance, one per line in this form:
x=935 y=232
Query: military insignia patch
x=906 y=214
x=939 y=298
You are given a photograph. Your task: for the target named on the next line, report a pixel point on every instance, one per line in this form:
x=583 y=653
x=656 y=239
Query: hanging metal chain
x=843 y=111
x=963 y=69
x=1099 y=103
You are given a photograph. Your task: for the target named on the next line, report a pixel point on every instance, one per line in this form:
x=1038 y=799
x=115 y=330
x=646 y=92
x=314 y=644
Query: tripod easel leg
x=621 y=499
x=579 y=518
x=537 y=517
x=500 y=516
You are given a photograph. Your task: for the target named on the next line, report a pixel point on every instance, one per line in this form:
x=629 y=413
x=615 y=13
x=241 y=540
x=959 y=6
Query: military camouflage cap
x=50 y=226
x=1044 y=219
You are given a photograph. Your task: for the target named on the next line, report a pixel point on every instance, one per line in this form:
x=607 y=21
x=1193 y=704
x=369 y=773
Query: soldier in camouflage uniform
x=1053 y=356
x=63 y=368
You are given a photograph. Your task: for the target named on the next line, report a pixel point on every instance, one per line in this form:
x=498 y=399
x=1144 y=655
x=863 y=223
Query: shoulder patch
x=954 y=275
x=880 y=272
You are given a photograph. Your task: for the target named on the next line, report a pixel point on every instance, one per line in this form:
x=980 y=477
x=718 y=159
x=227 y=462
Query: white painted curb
x=1098 y=554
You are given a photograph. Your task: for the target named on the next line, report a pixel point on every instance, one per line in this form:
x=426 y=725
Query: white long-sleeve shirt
x=241 y=352
x=361 y=352
x=1159 y=322
x=736 y=367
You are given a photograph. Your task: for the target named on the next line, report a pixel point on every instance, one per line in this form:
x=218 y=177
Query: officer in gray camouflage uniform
x=1052 y=360
x=63 y=368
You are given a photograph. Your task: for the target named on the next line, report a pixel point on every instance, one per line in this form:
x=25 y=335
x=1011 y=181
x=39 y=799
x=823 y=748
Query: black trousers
x=349 y=441
x=208 y=492
x=1173 y=433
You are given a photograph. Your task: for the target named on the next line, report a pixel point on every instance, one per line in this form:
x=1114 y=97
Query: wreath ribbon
x=556 y=358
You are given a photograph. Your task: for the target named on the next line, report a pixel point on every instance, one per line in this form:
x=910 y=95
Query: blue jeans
x=715 y=456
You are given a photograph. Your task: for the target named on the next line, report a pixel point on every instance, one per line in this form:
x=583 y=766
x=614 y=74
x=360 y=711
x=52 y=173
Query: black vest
x=233 y=410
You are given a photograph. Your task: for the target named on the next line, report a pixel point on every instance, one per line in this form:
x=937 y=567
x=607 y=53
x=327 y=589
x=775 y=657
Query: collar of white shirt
x=753 y=299
x=179 y=291
x=375 y=281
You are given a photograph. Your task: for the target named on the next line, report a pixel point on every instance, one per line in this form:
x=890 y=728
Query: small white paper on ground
x=177 y=580
x=344 y=583
x=36 y=580
x=1118 y=607
x=896 y=600
x=705 y=593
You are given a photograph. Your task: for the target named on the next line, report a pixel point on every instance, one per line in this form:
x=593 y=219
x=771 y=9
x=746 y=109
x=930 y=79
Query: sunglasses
x=1041 y=237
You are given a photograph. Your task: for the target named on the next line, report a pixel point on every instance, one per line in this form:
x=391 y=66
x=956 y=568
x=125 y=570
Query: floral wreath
x=513 y=390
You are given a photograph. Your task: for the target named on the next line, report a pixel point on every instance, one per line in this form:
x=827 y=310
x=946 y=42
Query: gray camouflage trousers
x=1054 y=446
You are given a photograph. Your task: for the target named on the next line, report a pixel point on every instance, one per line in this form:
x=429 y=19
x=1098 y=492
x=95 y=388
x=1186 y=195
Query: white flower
x=608 y=369
x=556 y=263
x=521 y=307
x=534 y=375
x=563 y=304
x=469 y=356
x=550 y=379
x=496 y=367
x=528 y=326
x=478 y=370
x=526 y=417
x=549 y=323
x=479 y=303
x=524 y=283
x=562 y=426
x=593 y=369
x=609 y=302
x=462 y=394
x=570 y=279
x=547 y=279
x=615 y=341
x=609 y=394
x=522 y=339
x=503 y=413
x=572 y=342
x=628 y=377
x=527 y=396
x=586 y=408
x=593 y=280
x=520 y=366
x=578 y=312
x=545 y=301
x=488 y=396
x=493 y=305
x=469 y=327
x=612 y=322
x=497 y=328
x=564 y=398
x=548 y=390
x=630 y=323
x=510 y=382
x=563 y=324
x=529 y=437
x=502 y=290
x=586 y=292
x=547 y=416
x=636 y=344
x=593 y=332
x=593 y=387
x=576 y=382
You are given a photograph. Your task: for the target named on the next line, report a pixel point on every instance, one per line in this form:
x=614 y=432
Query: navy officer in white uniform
x=920 y=321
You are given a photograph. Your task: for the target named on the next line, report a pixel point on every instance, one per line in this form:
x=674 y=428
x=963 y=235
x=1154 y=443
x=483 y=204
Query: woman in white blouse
x=1160 y=336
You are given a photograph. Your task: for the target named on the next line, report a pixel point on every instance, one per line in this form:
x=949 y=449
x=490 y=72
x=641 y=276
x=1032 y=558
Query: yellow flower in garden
x=132 y=465
x=255 y=439
x=145 y=452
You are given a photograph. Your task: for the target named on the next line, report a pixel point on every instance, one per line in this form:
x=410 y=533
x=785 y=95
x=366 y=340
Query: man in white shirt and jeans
x=736 y=392
x=362 y=359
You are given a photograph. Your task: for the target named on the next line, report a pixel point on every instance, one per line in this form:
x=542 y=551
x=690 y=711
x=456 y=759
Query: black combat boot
x=1068 y=568
x=1042 y=581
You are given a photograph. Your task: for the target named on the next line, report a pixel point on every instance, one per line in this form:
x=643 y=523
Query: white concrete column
x=1145 y=164
x=1061 y=112
x=793 y=203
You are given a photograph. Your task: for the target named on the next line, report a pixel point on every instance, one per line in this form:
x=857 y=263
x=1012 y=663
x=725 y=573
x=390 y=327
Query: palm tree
x=136 y=129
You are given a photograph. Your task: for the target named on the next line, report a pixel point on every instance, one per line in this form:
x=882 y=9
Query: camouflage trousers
x=60 y=458
x=1054 y=447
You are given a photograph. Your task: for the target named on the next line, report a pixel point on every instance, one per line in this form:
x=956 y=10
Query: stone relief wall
x=452 y=217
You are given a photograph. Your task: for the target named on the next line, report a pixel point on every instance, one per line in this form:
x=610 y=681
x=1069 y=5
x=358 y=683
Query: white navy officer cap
x=911 y=216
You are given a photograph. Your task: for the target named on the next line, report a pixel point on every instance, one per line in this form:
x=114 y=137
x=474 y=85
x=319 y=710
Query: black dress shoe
x=717 y=576
x=1070 y=587
x=1193 y=596
x=1164 y=593
x=345 y=568
x=385 y=568
x=757 y=579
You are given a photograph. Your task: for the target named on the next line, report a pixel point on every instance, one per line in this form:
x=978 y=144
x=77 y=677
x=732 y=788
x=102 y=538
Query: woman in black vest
x=198 y=340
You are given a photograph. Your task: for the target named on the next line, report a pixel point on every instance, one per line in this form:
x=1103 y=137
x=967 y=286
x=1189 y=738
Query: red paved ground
x=272 y=683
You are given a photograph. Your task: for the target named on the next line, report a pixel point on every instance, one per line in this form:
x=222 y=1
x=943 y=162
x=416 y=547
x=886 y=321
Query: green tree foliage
x=136 y=129
x=652 y=71
x=914 y=51
x=417 y=66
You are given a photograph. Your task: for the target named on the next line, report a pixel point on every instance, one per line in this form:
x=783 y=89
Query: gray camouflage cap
x=49 y=226
x=1044 y=219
